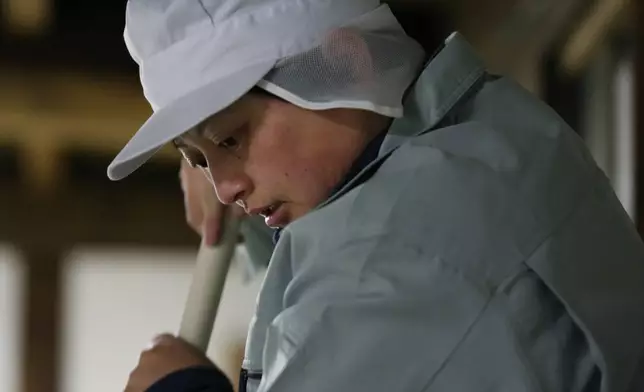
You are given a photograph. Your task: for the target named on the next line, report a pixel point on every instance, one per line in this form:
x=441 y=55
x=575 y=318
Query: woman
x=438 y=228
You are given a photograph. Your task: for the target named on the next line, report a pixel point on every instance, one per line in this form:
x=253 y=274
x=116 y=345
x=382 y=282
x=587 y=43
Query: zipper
x=244 y=376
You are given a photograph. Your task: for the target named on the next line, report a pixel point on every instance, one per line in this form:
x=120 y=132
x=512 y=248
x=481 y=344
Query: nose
x=230 y=188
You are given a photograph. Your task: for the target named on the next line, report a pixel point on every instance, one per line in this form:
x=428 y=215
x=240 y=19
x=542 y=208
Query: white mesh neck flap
x=366 y=64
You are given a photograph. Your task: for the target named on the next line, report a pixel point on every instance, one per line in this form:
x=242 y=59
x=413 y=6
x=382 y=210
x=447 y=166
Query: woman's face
x=276 y=159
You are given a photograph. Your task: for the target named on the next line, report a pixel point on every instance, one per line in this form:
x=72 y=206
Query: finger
x=209 y=200
x=164 y=339
x=211 y=230
x=182 y=174
x=194 y=214
x=192 y=197
x=131 y=385
x=186 y=173
x=213 y=213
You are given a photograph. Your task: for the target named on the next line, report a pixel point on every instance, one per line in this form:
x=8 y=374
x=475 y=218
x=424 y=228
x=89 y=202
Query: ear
x=347 y=47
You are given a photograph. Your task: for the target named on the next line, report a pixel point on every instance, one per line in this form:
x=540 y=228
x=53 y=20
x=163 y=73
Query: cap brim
x=183 y=114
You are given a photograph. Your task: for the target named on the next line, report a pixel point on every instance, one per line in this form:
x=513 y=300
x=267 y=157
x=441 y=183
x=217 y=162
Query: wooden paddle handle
x=207 y=286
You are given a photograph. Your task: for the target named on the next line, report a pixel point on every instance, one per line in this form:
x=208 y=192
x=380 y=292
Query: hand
x=166 y=355
x=204 y=212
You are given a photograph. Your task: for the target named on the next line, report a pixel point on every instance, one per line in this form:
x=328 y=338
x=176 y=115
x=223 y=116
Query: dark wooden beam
x=119 y=216
x=42 y=319
x=638 y=28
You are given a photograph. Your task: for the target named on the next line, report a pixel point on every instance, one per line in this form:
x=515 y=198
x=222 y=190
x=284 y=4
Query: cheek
x=270 y=154
x=285 y=164
x=290 y=177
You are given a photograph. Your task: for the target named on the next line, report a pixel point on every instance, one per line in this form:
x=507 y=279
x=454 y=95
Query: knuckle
x=191 y=218
x=163 y=339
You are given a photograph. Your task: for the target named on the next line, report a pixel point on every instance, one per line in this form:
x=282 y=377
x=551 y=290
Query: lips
x=268 y=211
x=265 y=211
x=274 y=215
x=278 y=216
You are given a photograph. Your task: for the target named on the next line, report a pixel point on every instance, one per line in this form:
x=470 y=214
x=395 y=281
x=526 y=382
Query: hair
x=256 y=90
x=428 y=22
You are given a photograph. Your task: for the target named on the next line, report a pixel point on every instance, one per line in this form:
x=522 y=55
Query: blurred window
x=624 y=144
x=609 y=117
x=115 y=301
x=12 y=277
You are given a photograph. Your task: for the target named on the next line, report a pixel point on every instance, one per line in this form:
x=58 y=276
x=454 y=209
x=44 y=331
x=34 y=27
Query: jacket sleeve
x=390 y=325
x=196 y=379
x=412 y=324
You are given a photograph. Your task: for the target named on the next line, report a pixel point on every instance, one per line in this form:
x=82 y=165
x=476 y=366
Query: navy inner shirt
x=369 y=154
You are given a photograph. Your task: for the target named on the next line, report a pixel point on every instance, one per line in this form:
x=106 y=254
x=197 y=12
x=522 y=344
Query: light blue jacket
x=482 y=251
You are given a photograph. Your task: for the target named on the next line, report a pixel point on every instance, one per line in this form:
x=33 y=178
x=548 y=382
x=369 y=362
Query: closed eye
x=198 y=160
x=194 y=157
x=229 y=143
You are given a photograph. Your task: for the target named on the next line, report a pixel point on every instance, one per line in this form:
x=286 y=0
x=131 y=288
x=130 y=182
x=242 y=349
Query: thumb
x=213 y=214
x=211 y=229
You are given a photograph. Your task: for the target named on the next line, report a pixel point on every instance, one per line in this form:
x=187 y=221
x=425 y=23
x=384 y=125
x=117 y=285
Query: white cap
x=197 y=57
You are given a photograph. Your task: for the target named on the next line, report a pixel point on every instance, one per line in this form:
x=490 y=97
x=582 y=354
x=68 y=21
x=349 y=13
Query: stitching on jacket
x=457 y=346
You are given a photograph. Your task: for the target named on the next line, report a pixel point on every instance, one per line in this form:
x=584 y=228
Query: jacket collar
x=448 y=76
x=440 y=86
